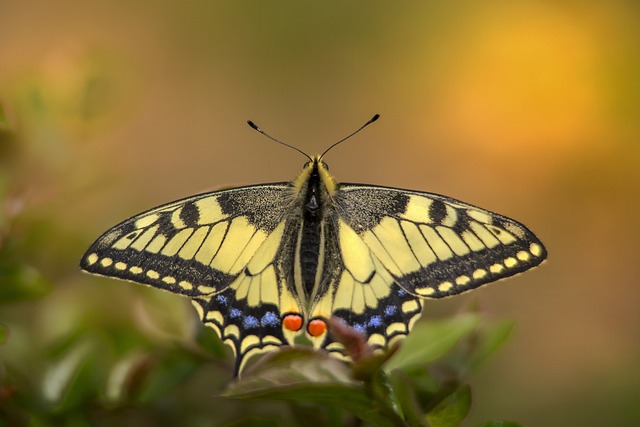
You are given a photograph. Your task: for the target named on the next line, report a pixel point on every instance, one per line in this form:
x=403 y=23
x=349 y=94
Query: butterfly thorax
x=314 y=187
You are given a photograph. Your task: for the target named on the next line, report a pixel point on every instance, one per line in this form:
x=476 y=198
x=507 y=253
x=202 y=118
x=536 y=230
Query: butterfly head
x=315 y=176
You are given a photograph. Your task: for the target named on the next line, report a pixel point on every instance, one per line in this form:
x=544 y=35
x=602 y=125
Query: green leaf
x=122 y=377
x=431 y=340
x=501 y=423
x=165 y=372
x=210 y=342
x=452 y=410
x=385 y=393
x=492 y=337
x=69 y=380
x=307 y=376
x=295 y=368
x=316 y=416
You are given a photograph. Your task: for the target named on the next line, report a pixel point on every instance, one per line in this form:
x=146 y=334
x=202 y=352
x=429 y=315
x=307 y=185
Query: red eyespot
x=317 y=327
x=292 y=322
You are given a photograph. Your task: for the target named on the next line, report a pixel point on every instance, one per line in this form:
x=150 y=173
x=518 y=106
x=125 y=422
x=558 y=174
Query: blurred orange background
x=529 y=108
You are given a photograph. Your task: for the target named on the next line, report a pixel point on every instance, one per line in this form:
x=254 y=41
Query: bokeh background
x=529 y=108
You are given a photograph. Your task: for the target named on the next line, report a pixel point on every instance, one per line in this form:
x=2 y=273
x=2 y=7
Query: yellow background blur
x=528 y=108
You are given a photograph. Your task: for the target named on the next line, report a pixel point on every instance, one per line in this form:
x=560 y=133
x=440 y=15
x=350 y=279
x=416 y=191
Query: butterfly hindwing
x=247 y=329
x=249 y=314
x=361 y=291
x=382 y=321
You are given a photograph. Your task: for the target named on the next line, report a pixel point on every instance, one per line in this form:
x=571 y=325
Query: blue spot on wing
x=375 y=321
x=234 y=313
x=250 y=322
x=270 y=319
x=359 y=327
x=222 y=300
x=390 y=310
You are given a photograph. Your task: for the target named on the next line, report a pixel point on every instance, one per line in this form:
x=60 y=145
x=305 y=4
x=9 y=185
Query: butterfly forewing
x=435 y=246
x=194 y=246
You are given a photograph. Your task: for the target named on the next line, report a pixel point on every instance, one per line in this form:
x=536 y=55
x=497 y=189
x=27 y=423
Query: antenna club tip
x=253 y=125
x=374 y=118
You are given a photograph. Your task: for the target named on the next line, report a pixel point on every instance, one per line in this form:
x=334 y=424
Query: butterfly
x=267 y=264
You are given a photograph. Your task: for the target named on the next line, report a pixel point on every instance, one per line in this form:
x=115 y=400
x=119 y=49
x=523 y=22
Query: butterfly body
x=265 y=264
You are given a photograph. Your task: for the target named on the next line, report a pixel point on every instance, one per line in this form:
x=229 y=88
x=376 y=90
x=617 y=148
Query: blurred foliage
x=116 y=376
x=69 y=359
x=82 y=363
x=527 y=107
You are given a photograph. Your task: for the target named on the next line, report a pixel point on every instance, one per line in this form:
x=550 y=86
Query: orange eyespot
x=292 y=322
x=317 y=327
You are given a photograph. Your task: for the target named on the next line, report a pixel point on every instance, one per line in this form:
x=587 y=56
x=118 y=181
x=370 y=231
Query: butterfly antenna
x=255 y=127
x=371 y=120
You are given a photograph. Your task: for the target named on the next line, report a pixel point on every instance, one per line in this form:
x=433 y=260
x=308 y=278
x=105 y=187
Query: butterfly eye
x=324 y=165
x=306 y=165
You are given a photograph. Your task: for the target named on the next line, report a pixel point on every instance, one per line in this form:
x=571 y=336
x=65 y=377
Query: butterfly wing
x=221 y=250
x=435 y=246
x=398 y=246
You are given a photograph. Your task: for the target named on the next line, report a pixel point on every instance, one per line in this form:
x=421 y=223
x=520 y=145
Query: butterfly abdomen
x=312 y=217
x=309 y=254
